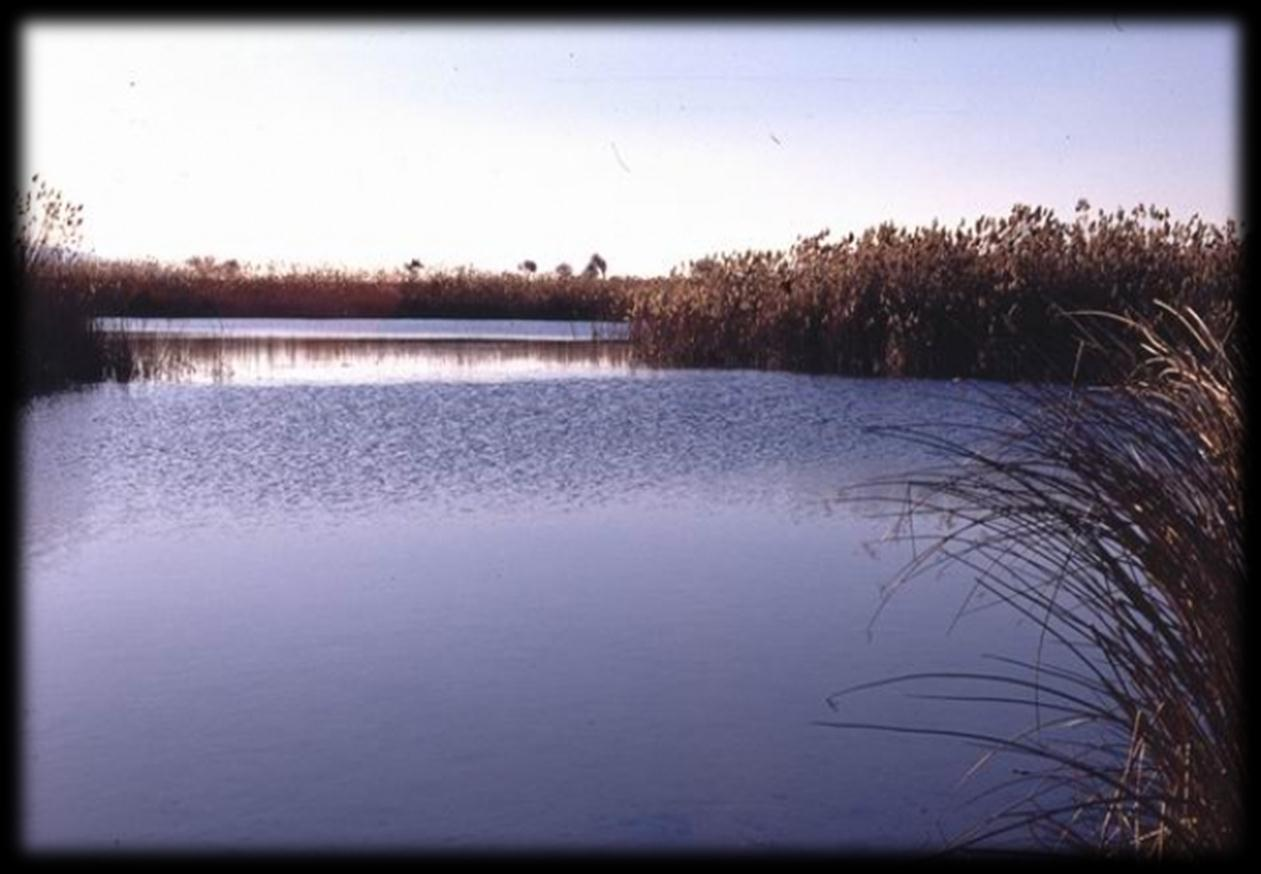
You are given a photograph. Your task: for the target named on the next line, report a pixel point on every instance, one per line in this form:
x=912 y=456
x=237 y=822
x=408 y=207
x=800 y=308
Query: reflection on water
x=290 y=360
x=395 y=596
x=374 y=329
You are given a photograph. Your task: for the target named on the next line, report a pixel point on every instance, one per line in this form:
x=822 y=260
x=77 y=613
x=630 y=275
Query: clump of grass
x=932 y=302
x=58 y=345
x=1113 y=519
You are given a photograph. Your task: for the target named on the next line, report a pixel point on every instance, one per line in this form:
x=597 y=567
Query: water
x=395 y=594
x=373 y=329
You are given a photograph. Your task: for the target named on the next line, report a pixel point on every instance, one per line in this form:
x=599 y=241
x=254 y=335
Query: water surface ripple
x=544 y=611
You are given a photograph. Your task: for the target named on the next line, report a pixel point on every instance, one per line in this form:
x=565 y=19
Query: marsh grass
x=61 y=346
x=984 y=300
x=1111 y=518
x=57 y=344
x=204 y=287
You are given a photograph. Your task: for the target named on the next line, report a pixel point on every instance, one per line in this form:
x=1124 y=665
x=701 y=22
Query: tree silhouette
x=564 y=270
x=596 y=265
x=528 y=266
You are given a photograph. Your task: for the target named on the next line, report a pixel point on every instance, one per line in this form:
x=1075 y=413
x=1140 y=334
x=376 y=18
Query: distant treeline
x=986 y=300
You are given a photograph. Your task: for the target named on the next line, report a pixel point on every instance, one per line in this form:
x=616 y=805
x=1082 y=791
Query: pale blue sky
x=652 y=143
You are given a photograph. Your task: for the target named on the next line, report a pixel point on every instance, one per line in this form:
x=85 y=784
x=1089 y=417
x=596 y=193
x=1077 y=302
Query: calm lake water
x=319 y=585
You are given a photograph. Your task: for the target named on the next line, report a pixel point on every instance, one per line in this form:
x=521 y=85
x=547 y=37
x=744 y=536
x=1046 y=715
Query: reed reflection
x=173 y=358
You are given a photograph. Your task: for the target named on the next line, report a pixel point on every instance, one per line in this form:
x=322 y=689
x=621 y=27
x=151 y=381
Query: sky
x=364 y=145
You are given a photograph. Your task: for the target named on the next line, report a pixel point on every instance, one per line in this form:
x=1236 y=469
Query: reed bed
x=57 y=343
x=985 y=300
x=1112 y=518
x=204 y=287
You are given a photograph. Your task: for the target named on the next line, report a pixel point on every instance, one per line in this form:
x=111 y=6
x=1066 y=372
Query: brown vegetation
x=57 y=343
x=983 y=301
x=1113 y=519
x=986 y=300
x=203 y=287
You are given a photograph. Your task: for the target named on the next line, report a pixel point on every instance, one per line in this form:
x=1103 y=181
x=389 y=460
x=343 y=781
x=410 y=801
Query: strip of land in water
x=990 y=300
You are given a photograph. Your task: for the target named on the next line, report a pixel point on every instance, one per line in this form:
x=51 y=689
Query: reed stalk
x=977 y=301
x=1111 y=517
x=58 y=344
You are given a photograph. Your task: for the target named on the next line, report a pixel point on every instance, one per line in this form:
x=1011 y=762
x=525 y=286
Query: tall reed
x=58 y=345
x=204 y=287
x=1113 y=519
x=981 y=300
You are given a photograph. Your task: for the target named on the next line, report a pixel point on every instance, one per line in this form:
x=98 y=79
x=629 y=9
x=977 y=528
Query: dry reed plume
x=979 y=301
